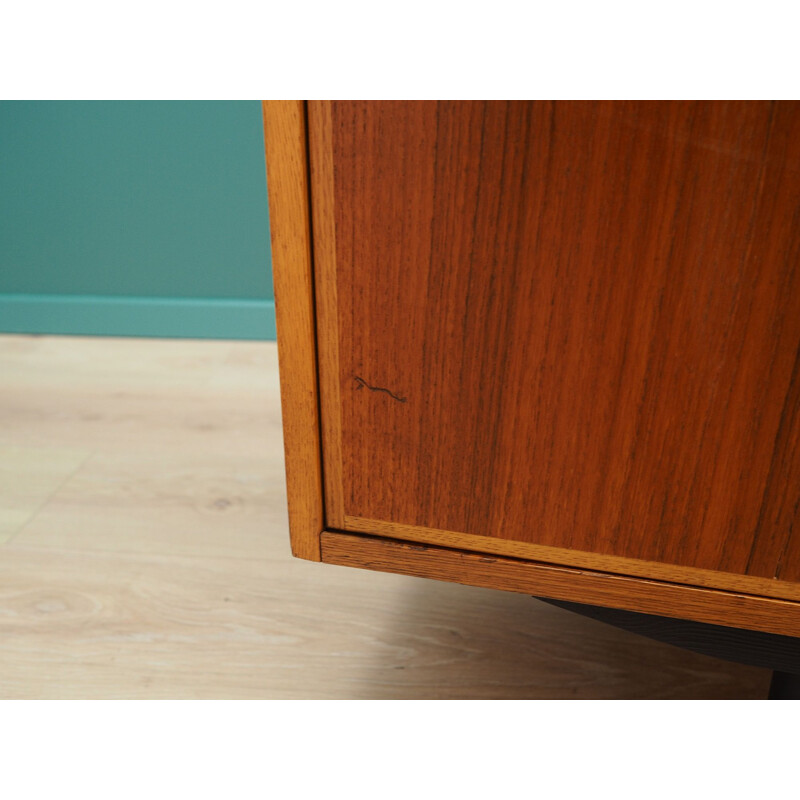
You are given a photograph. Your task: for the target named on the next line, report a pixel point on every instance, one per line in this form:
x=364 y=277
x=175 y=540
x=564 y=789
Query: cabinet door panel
x=564 y=328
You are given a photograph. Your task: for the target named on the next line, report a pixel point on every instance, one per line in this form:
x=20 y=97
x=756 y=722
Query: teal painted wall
x=134 y=218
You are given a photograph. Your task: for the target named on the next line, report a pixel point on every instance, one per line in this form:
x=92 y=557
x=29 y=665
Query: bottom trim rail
x=751 y=612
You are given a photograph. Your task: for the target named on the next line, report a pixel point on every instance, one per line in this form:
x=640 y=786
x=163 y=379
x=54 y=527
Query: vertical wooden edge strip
x=563 y=583
x=320 y=136
x=288 y=187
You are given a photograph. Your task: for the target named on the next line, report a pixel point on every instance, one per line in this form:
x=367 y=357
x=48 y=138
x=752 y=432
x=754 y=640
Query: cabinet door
x=565 y=332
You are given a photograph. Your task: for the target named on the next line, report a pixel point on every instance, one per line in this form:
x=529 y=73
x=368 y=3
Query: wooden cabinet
x=547 y=347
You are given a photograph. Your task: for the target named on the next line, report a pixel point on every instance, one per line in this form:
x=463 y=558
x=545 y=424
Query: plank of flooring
x=89 y=625
x=160 y=501
x=28 y=477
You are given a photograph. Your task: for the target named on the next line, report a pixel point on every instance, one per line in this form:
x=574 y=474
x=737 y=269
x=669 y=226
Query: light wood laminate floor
x=144 y=554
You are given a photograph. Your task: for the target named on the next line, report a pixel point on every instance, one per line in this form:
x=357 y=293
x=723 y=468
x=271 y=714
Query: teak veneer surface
x=573 y=324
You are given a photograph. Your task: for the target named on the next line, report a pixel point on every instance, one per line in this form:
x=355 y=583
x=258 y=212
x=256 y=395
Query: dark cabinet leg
x=778 y=653
x=784 y=686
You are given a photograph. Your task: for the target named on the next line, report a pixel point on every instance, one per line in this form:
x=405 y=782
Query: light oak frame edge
x=285 y=139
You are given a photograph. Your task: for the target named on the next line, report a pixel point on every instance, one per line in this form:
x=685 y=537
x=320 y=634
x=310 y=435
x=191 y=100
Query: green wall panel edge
x=154 y=317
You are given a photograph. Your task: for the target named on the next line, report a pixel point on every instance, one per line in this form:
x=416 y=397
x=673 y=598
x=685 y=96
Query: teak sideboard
x=546 y=347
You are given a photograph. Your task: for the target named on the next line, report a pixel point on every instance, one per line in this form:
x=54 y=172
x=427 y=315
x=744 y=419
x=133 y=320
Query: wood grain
x=161 y=567
x=562 y=583
x=322 y=204
x=287 y=181
x=746 y=584
x=593 y=311
x=28 y=478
